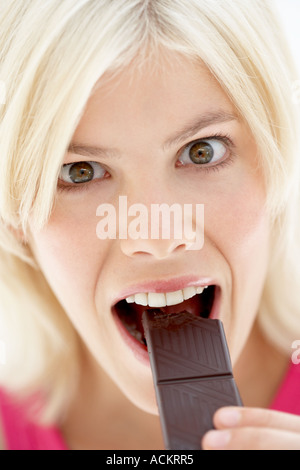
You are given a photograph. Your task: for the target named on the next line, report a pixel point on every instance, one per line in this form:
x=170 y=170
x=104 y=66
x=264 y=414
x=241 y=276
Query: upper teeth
x=158 y=299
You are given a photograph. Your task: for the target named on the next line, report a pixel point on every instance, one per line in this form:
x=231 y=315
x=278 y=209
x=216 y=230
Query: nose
x=159 y=249
x=159 y=231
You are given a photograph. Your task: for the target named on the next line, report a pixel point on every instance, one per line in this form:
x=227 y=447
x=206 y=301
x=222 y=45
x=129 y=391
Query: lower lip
x=140 y=351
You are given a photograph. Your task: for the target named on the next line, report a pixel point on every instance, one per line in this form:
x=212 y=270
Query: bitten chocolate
x=192 y=374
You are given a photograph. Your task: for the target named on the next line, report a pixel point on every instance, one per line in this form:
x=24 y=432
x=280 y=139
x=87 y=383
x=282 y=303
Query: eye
x=81 y=172
x=203 y=152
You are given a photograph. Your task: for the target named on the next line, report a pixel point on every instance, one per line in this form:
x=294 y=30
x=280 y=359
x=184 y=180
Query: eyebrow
x=205 y=120
x=90 y=150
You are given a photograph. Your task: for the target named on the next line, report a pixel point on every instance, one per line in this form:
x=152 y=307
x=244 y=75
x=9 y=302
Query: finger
x=231 y=417
x=251 y=439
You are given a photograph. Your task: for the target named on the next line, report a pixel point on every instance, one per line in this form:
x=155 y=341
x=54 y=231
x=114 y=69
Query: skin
x=132 y=116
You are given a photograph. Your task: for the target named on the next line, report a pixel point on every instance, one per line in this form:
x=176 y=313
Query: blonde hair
x=52 y=55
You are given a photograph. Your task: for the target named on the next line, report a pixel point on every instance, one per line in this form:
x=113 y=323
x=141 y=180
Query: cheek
x=238 y=226
x=240 y=222
x=70 y=254
x=236 y=217
x=243 y=239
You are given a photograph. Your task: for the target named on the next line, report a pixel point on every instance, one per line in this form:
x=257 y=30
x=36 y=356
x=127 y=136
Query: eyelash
x=225 y=138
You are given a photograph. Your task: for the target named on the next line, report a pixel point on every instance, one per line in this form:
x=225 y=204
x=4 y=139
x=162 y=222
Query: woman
x=180 y=102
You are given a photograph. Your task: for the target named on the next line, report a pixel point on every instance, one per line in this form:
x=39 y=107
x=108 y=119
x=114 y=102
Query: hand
x=241 y=428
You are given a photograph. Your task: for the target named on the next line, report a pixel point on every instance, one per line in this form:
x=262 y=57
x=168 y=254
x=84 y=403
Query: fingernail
x=229 y=416
x=217 y=439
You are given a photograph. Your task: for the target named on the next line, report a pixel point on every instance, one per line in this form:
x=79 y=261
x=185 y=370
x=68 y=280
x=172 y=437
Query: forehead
x=151 y=100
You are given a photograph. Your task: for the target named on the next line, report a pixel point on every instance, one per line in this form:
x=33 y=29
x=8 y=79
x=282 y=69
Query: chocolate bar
x=192 y=374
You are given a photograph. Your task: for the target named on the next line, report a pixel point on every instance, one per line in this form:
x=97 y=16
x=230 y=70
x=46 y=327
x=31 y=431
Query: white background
x=289 y=13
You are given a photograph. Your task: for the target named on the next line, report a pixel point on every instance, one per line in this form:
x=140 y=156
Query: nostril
x=176 y=247
x=158 y=248
x=181 y=247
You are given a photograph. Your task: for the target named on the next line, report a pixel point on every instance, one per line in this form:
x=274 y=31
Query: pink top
x=288 y=395
x=21 y=434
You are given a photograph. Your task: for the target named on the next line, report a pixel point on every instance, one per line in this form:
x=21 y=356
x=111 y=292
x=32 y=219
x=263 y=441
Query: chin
x=145 y=400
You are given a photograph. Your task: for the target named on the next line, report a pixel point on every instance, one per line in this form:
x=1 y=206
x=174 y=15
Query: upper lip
x=164 y=285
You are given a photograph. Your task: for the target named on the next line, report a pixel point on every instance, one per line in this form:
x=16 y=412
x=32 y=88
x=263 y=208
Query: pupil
x=81 y=172
x=201 y=152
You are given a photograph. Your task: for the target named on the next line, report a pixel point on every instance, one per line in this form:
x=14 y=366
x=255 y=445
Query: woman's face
x=164 y=137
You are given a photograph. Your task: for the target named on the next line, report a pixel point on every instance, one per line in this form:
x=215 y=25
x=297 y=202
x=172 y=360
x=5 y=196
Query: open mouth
x=196 y=300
